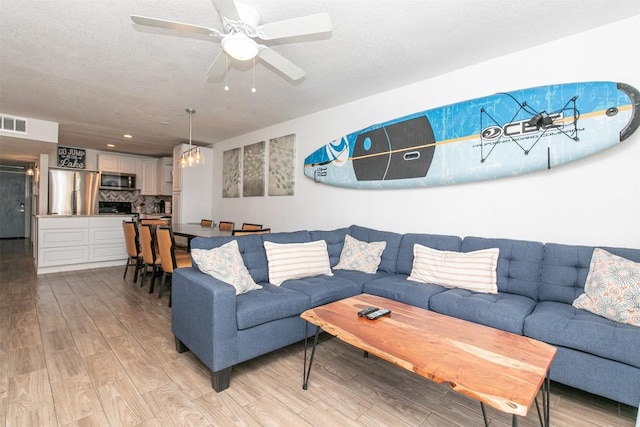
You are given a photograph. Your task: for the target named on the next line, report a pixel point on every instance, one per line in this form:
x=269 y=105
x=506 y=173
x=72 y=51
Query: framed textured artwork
x=231 y=173
x=253 y=170
x=282 y=156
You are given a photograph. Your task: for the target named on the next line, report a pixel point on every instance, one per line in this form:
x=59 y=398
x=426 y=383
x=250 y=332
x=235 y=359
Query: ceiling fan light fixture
x=240 y=46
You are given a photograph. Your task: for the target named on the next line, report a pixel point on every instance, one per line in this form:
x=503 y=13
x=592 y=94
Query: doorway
x=15 y=204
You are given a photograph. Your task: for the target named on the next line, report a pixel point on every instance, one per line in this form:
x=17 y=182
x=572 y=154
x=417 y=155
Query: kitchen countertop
x=85 y=216
x=154 y=215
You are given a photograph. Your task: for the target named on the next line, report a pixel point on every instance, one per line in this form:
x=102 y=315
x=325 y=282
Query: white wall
x=592 y=201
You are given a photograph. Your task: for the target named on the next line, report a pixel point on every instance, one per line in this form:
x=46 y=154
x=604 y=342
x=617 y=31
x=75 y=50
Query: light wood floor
x=91 y=349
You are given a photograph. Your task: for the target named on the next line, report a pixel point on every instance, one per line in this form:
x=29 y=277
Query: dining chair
x=170 y=257
x=249 y=226
x=206 y=223
x=254 y=231
x=150 y=258
x=132 y=241
x=226 y=226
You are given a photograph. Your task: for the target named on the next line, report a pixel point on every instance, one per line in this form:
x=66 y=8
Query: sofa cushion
x=324 y=289
x=250 y=247
x=360 y=277
x=435 y=241
x=612 y=288
x=519 y=263
x=225 y=263
x=268 y=304
x=296 y=260
x=287 y=237
x=398 y=288
x=390 y=253
x=564 y=325
x=565 y=269
x=335 y=241
x=360 y=256
x=475 y=271
x=502 y=310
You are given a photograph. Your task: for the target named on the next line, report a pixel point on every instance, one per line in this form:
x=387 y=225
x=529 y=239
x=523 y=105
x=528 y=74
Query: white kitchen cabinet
x=63 y=241
x=176 y=184
x=192 y=188
x=76 y=243
x=176 y=204
x=120 y=164
x=165 y=176
x=149 y=177
x=106 y=238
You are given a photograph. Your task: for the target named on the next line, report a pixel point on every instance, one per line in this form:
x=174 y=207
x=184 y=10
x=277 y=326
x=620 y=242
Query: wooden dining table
x=192 y=230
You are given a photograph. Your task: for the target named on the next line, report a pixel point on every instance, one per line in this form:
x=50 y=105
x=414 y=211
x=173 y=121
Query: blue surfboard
x=496 y=136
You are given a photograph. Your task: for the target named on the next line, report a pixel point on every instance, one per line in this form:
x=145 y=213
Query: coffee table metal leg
x=484 y=415
x=546 y=404
x=543 y=416
x=307 y=371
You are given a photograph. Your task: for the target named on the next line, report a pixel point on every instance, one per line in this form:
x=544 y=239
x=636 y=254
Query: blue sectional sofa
x=537 y=284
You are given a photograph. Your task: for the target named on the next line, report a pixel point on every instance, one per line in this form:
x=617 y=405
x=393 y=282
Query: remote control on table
x=366 y=311
x=378 y=313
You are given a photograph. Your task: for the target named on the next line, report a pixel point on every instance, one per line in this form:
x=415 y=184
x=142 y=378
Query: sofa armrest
x=203 y=317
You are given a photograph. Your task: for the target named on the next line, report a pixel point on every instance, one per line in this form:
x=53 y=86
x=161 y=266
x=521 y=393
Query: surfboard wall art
x=496 y=136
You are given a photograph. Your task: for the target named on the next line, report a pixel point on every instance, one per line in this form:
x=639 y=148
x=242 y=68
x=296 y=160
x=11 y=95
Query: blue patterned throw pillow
x=225 y=263
x=360 y=256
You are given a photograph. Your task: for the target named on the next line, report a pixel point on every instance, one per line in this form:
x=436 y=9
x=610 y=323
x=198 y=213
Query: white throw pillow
x=360 y=256
x=612 y=288
x=475 y=271
x=225 y=263
x=297 y=260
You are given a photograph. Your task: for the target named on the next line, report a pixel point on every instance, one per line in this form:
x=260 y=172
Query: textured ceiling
x=84 y=65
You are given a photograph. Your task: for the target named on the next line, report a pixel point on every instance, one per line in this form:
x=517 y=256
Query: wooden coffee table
x=497 y=368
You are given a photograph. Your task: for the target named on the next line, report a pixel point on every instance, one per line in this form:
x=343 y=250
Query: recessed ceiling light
x=126 y=135
x=111 y=145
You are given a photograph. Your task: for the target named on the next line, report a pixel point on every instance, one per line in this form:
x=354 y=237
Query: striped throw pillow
x=297 y=260
x=475 y=271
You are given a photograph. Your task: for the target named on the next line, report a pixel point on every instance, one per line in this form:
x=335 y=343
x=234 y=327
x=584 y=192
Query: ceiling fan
x=241 y=25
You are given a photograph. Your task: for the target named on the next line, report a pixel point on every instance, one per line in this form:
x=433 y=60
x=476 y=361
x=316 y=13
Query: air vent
x=13 y=124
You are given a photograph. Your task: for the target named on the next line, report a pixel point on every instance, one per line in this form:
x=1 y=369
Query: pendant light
x=192 y=156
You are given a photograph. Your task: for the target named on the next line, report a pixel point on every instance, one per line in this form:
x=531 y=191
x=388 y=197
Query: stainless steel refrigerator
x=73 y=192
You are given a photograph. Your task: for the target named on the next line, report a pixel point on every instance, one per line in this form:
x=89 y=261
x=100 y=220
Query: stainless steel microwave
x=117 y=181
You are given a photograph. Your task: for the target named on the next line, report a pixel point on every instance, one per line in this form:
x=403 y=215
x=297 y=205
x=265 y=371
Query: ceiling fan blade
x=280 y=63
x=226 y=9
x=311 y=24
x=219 y=66
x=172 y=25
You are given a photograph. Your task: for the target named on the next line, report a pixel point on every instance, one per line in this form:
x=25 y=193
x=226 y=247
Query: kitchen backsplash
x=146 y=204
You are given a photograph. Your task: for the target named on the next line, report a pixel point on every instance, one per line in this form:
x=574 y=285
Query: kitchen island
x=78 y=242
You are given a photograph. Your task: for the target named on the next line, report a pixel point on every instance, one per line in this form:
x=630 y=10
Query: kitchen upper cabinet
x=149 y=177
x=176 y=184
x=120 y=164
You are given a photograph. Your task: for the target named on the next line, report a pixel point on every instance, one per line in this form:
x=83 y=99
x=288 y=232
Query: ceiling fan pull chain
x=226 y=75
x=253 y=88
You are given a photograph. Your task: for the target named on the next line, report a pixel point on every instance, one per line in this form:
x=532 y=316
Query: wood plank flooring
x=91 y=349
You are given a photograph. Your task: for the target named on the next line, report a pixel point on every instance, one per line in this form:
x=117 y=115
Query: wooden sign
x=72 y=158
